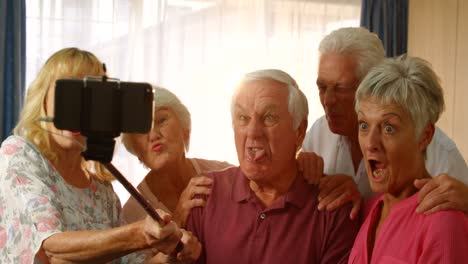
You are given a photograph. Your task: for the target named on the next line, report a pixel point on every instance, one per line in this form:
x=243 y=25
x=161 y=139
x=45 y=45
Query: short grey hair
x=167 y=99
x=409 y=82
x=365 y=46
x=298 y=106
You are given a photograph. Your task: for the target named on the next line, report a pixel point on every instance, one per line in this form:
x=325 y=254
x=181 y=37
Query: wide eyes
x=389 y=129
x=363 y=125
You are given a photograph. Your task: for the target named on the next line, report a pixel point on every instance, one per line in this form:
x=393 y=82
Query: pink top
x=408 y=237
x=234 y=226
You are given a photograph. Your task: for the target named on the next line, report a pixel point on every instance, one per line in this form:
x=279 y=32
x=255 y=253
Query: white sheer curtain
x=196 y=48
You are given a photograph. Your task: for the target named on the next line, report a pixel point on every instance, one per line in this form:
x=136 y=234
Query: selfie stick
x=100 y=148
x=134 y=192
x=137 y=195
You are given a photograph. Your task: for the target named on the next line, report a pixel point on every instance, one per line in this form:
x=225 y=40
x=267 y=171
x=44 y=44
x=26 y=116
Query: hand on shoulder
x=442 y=192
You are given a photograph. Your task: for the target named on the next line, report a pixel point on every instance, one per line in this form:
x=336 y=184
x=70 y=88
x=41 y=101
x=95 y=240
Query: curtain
x=197 y=49
x=12 y=63
x=389 y=20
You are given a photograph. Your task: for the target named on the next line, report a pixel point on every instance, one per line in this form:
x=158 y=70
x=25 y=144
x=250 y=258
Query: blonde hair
x=65 y=63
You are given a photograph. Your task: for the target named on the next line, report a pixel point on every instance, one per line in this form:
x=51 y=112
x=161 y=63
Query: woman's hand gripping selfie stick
x=140 y=199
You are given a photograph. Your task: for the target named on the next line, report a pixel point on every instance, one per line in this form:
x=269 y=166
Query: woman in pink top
x=398 y=104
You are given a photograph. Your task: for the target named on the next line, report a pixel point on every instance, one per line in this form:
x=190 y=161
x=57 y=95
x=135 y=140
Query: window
x=196 y=48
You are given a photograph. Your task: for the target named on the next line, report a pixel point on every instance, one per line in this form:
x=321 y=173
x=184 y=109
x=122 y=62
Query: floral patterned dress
x=36 y=202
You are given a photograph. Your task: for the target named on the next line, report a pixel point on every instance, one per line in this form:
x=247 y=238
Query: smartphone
x=101 y=107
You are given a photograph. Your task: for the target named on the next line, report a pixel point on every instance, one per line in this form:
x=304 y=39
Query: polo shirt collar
x=240 y=189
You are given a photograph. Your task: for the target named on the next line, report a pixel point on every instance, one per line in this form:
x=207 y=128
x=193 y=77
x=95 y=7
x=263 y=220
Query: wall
x=438 y=32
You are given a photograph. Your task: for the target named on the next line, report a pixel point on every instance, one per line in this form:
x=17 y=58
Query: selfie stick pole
x=137 y=195
x=134 y=192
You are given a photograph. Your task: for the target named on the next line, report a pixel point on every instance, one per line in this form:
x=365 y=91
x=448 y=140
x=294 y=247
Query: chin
x=336 y=130
x=378 y=187
x=252 y=171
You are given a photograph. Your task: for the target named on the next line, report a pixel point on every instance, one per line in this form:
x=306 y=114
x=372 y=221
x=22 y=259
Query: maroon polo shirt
x=235 y=227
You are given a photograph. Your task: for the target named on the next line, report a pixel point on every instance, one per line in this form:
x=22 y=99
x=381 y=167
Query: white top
x=442 y=155
x=132 y=211
x=36 y=202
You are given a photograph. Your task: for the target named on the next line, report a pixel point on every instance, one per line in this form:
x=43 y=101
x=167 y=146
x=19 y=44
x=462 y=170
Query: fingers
x=326 y=185
x=160 y=232
x=319 y=170
x=338 y=190
x=194 y=203
x=334 y=199
x=192 y=247
x=356 y=207
x=443 y=193
x=164 y=237
x=158 y=258
x=201 y=180
x=419 y=183
x=438 y=197
x=311 y=165
x=439 y=207
x=164 y=215
x=340 y=196
x=195 y=190
x=168 y=230
x=197 y=185
x=428 y=185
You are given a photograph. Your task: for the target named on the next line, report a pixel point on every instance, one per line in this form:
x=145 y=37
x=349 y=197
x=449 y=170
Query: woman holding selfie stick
x=54 y=205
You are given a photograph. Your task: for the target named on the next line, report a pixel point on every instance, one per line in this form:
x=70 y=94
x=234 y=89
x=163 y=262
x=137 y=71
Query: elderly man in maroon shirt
x=264 y=211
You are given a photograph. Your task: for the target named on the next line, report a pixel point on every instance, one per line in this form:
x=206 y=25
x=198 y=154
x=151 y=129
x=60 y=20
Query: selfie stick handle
x=140 y=199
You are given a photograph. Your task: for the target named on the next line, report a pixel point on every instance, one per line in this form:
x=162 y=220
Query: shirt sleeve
x=457 y=166
x=443 y=156
x=340 y=233
x=29 y=212
x=312 y=133
x=446 y=239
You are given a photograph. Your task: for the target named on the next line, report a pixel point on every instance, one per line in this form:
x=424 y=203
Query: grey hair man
x=262 y=210
x=346 y=55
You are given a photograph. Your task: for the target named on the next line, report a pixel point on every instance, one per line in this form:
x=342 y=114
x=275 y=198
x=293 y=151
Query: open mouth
x=256 y=154
x=377 y=169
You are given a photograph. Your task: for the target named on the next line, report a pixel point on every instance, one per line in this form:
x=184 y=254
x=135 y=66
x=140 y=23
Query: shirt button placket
x=260 y=235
